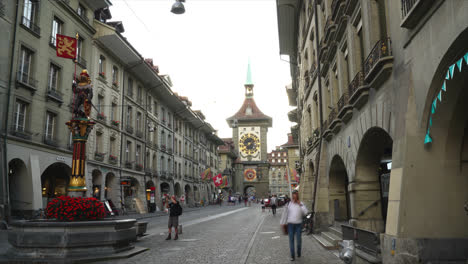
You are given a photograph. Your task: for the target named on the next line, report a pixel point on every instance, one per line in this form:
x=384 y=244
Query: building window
x=25 y=65
x=53 y=77
x=57 y=25
x=20 y=116
x=155 y=108
x=130 y=87
x=50 y=126
x=138 y=154
x=112 y=147
x=102 y=66
x=163 y=114
x=139 y=94
x=150 y=108
x=98 y=142
x=29 y=14
x=114 y=111
x=128 y=148
x=100 y=100
x=129 y=115
x=79 y=52
x=81 y=11
x=115 y=75
x=138 y=121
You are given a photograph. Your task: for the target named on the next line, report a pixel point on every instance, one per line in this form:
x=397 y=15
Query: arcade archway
x=188 y=194
x=369 y=192
x=54 y=181
x=20 y=188
x=97 y=180
x=338 y=190
x=250 y=191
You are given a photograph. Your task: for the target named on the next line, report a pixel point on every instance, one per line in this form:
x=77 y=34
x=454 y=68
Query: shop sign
x=125 y=182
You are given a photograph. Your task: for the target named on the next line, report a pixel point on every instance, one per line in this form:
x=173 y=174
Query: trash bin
x=347 y=252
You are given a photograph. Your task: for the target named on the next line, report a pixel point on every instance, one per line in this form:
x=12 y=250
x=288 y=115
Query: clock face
x=249 y=144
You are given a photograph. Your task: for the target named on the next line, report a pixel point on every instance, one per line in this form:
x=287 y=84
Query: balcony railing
x=332 y=115
x=129 y=165
x=139 y=133
x=381 y=50
x=364 y=240
x=113 y=159
x=50 y=140
x=27 y=80
x=30 y=25
x=357 y=82
x=407 y=6
x=99 y=156
x=129 y=129
x=336 y=7
x=412 y=11
x=329 y=27
x=343 y=101
x=53 y=94
x=20 y=132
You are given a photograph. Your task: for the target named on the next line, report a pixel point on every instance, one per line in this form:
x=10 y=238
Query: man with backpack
x=175 y=210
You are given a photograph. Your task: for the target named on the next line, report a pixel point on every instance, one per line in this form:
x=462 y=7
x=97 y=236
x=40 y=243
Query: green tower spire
x=249 y=75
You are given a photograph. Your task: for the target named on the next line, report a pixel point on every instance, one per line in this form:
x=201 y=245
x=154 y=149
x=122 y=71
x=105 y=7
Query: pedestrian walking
x=263 y=205
x=291 y=222
x=175 y=210
x=273 y=203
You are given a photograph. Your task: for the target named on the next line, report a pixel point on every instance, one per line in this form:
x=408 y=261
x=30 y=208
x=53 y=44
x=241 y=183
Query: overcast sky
x=206 y=51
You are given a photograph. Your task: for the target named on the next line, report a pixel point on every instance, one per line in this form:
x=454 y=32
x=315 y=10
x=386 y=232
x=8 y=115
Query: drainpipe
x=320 y=111
x=6 y=189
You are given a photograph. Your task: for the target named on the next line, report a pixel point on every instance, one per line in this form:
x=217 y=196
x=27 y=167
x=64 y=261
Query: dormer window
x=248 y=111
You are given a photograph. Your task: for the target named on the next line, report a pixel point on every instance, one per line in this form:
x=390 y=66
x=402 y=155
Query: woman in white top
x=292 y=216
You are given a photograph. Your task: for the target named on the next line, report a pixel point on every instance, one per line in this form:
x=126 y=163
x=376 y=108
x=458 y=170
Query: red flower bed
x=65 y=208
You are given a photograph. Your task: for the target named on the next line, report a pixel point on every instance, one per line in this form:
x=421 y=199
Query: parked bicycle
x=307 y=224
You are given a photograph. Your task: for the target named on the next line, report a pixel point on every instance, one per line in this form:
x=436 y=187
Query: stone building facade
x=131 y=153
x=381 y=124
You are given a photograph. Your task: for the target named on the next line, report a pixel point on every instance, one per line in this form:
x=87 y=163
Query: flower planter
x=51 y=241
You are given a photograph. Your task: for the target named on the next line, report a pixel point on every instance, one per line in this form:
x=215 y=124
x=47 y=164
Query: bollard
x=179 y=229
x=347 y=251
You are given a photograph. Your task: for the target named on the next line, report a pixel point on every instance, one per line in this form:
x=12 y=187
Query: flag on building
x=206 y=175
x=218 y=180
x=66 y=46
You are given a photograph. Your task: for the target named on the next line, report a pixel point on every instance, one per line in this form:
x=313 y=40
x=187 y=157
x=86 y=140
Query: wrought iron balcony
x=378 y=64
x=332 y=116
x=113 y=159
x=345 y=110
x=358 y=91
x=27 y=81
x=129 y=129
x=99 y=156
x=129 y=165
x=412 y=11
x=139 y=133
x=337 y=8
x=50 y=140
x=330 y=29
x=29 y=24
x=55 y=95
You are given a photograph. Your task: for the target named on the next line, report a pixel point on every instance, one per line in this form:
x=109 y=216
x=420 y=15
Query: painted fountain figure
x=80 y=126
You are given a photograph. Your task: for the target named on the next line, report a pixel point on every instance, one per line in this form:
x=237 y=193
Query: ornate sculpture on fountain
x=80 y=126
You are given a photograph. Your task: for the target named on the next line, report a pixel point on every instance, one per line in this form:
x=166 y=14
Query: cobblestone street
x=228 y=234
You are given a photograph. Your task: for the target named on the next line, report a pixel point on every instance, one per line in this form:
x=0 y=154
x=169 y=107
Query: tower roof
x=248 y=81
x=249 y=111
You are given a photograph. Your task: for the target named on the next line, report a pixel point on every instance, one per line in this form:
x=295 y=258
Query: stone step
x=332 y=238
x=336 y=231
x=323 y=242
x=336 y=253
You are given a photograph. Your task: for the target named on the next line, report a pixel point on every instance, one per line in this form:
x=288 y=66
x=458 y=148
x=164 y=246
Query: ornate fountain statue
x=80 y=125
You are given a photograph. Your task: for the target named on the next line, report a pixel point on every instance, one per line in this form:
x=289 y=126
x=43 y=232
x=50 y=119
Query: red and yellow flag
x=66 y=46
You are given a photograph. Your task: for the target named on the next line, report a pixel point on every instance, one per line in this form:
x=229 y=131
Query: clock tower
x=249 y=133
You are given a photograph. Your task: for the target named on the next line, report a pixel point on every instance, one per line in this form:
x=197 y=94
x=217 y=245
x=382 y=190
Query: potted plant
x=115 y=123
x=102 y=74
x=101 y=116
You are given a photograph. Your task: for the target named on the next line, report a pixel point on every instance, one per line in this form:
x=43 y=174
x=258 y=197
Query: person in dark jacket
x=174 y=211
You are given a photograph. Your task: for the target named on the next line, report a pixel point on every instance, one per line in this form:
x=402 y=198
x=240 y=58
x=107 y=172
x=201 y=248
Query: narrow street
x=227 y=234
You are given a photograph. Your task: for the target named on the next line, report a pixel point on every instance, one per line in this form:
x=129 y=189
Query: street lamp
x=178 y=8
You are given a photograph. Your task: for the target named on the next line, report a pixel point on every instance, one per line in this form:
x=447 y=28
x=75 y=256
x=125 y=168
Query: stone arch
x=250 y=190
x=370 y=186
x=188 y=194
x=177 y=190
x=96 y=176
x=150 y=191
x=196 y=193
x=338 y=190
x=20 y=188
x=442 y=187
x=54 y=181
x=111 y=187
